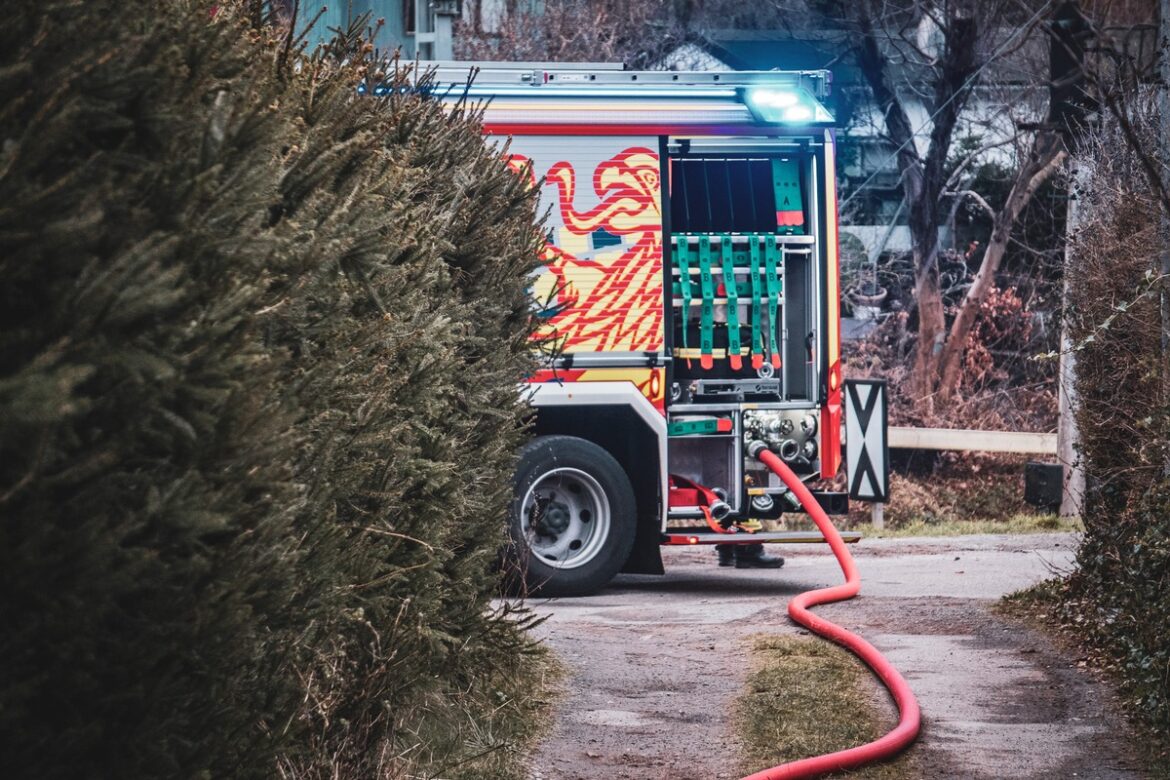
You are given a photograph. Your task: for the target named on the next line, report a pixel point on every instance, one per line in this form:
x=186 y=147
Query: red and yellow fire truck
x=690 y=286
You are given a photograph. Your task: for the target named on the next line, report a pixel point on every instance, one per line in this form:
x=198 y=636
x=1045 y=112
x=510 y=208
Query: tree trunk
x=931 y=332
x=1046 y=158
x=928 y=296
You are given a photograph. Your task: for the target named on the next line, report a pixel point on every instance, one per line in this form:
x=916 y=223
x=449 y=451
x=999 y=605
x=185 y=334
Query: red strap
x=684 y=497
x=712 y=524
x=684 y=492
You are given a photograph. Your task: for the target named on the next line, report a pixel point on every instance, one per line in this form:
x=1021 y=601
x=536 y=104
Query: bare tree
x=968 y=40
x=1045 y=158
x=637 y=34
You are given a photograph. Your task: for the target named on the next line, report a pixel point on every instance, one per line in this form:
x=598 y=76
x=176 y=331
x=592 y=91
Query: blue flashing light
x=798 y=113
x=381 y=89
x=773 y=98
x=785 y=106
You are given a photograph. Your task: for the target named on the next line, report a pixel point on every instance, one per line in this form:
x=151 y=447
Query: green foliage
x=1117 y=599
x=260 y=348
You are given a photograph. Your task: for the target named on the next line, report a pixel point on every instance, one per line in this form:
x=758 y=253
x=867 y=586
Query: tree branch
x=975 y=196
x=1047 y=157
x=962 y=166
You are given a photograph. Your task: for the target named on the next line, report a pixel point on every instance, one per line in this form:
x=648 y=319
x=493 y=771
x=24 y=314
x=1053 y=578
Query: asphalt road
x=655 y=662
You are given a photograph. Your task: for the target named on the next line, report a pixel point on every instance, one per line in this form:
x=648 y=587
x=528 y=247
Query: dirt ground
x=655 y=662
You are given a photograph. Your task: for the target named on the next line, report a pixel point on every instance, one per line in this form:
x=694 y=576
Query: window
x=409 y=23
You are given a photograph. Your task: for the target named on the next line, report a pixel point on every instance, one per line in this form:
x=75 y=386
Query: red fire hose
x=908 y=723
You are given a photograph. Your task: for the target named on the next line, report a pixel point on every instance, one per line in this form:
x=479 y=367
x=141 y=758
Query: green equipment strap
x=684 y=285
x=733 y=355
x=707 y=310
x=789 y=203
x=756 y=290
x=771 y=263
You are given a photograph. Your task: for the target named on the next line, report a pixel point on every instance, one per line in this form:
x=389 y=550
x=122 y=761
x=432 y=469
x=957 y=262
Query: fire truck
x=690 y=291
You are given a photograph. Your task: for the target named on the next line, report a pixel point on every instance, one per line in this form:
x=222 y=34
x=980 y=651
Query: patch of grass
x=1016 y=524
x=1020 y=523
x=1024 y=603
x=809 y=697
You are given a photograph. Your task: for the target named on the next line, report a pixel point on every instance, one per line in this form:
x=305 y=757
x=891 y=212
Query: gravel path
x=656 y=661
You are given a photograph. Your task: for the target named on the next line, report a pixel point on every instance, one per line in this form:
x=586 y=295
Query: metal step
x=684 y=536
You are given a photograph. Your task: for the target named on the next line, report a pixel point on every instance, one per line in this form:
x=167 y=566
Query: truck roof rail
x=591 y=74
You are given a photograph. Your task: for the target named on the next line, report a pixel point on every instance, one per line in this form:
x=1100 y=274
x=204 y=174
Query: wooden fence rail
x=971 y=441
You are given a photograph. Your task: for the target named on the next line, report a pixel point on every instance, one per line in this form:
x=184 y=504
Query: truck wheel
x=572 y=518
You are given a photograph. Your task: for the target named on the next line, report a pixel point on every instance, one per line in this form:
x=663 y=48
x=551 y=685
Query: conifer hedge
x=260 y=343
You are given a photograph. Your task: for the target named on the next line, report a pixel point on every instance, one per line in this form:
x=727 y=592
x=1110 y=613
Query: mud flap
x=646 y=557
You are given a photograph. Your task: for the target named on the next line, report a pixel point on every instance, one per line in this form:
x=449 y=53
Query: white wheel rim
x=565 y=518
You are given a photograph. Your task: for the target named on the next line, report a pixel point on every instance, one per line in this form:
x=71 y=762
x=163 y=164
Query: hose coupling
x=754 y=448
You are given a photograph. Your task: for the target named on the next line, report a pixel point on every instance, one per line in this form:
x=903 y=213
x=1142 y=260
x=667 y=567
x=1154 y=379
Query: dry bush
x=574 y=31
x=953 y=488
x=1001 y=388
x=1115 y=322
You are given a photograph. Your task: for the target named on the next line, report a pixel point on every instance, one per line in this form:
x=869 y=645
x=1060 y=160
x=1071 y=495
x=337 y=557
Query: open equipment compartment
x=742 y=273
x=743 y=311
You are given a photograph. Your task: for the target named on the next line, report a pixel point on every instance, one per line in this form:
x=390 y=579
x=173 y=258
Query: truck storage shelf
x=706 y=426
x=788 y=405
x=739 y=269
x=677 y=302
x=703 y=535
x=742 y=290
x=690 y=353
x=767 y=491
x=715 y=238
x=742 y=269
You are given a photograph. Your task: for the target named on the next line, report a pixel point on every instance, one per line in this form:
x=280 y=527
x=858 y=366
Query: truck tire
x=572 y=518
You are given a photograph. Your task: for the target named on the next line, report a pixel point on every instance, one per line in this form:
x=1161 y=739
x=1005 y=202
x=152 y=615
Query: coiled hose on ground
x=798 y=609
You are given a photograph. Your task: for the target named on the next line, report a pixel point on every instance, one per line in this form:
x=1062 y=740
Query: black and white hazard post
x=867 y=452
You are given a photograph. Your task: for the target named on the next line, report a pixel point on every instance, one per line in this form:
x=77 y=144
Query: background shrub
x=1117 y=598
x=260 y=348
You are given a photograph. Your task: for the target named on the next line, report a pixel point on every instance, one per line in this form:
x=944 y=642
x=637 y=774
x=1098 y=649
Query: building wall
x=336 y=14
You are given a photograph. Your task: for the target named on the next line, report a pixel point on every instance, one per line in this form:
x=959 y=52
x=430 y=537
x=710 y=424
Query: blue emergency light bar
x=785 y=106
x=520 y=96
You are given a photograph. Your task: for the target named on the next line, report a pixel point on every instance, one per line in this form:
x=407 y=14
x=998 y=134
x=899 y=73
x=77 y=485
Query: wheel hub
x=566 y=517
x=553 y=517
